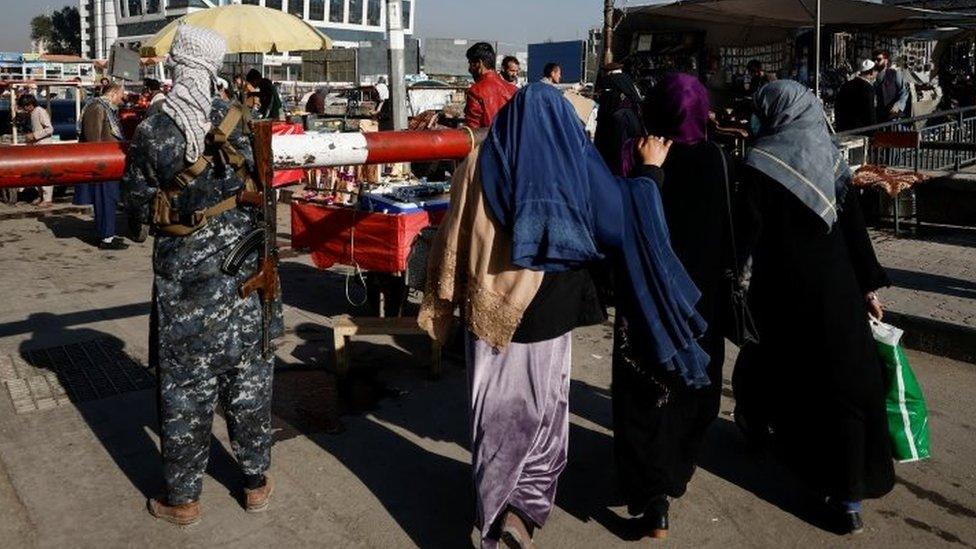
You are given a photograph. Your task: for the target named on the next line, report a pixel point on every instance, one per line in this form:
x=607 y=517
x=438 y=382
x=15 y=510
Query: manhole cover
x=42 y=379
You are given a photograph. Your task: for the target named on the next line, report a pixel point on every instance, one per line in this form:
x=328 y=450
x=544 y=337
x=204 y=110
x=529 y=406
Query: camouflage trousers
x=186 y=412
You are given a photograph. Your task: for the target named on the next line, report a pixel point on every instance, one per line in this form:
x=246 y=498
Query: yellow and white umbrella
x=247 y=29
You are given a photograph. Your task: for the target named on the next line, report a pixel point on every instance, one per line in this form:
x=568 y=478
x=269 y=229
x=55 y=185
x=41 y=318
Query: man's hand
x=29 y=138
x=653 y=151
x=874 y=306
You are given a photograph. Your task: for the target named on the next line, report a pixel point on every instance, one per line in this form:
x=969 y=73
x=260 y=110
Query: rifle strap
x=187 y=226
x=169 y=221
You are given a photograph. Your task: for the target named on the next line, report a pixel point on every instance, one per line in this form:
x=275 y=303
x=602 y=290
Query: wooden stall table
x=372 y=241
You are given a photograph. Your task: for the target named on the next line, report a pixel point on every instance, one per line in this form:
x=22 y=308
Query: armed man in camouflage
x=185 y=165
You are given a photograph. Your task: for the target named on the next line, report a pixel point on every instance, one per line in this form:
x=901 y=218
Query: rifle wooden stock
x=264 y=281
x=254 y=199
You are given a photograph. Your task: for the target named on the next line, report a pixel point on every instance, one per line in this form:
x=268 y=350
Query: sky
x=513 y=21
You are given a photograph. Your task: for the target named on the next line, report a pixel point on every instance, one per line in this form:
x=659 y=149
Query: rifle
x=265 y=238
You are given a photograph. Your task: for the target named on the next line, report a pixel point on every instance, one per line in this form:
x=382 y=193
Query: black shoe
x=757 y=434
x=654 y=521
x=140 y=233
x=114 y=244
x=848 y=522
x=852 y=523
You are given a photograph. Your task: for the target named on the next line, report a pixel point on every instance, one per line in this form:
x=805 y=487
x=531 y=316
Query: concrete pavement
x=933 y=293
x=380 y=460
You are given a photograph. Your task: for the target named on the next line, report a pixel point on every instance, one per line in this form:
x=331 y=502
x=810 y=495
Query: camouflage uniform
x=208 y=339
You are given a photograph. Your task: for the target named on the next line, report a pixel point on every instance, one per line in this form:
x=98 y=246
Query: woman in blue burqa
x=531 y=209
x=814 y=380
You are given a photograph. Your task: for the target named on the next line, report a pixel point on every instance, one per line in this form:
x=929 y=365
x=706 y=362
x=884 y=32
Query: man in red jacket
x=489 y=93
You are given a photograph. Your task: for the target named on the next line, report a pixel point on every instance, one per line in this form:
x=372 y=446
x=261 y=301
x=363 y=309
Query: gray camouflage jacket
x=204 y=328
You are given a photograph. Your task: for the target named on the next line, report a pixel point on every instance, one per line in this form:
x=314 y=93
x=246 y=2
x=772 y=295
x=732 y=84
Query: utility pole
x=607 y=32
x=398 y=91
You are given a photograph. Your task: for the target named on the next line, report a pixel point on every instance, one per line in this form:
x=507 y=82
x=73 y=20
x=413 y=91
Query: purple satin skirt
x=519 y=426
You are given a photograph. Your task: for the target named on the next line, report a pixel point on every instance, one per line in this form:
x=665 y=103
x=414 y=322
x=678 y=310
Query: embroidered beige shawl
x=470 y=267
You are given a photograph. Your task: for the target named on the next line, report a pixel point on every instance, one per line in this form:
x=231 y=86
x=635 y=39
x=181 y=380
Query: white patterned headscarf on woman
x=195 y=57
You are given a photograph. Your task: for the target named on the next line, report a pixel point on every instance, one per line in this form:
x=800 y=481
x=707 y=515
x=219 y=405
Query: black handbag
x=740 y=328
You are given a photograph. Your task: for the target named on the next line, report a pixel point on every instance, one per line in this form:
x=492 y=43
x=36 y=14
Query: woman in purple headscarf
x=659 y=423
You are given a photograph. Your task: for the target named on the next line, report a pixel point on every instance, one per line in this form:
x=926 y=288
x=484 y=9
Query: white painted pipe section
x=314 y=150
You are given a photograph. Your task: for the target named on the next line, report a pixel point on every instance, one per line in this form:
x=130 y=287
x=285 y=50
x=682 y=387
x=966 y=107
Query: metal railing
x=947 y=141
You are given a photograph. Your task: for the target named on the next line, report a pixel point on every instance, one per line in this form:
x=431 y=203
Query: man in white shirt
x=41 y=132
x=382 y=89
x=552 y=73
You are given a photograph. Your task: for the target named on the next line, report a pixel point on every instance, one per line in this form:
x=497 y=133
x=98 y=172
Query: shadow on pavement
x=123 y=422
x=932 y=283
x=71 y=226
x=429 y=495
x=319 y=292
x=726 y=454
x=953 y=236
x=588 y=486
x=51 y=327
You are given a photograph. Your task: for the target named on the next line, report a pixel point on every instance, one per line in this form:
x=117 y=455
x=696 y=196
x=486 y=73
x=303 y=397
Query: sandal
x=515 y=533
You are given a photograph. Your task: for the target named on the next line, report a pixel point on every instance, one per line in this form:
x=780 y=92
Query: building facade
x=130 y=22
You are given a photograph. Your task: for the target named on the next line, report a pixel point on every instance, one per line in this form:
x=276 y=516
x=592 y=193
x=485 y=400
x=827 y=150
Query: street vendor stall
x=365 y=217
x=717 y=38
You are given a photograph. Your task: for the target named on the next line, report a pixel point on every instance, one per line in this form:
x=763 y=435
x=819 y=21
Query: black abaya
x=616 y=124
x=815 y=378
x=659 y=424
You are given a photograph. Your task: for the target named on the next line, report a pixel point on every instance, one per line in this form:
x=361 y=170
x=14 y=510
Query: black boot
x=654 y=521
x=853 y=524
x=846 y=517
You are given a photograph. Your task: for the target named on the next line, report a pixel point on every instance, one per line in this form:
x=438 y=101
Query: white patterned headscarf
x=195 y=57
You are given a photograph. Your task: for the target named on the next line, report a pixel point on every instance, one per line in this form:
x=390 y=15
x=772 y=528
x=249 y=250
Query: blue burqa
x=547 y=185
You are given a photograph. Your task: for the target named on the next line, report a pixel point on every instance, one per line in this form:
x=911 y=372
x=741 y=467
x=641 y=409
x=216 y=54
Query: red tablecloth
x=284 y=178
x=375 y=241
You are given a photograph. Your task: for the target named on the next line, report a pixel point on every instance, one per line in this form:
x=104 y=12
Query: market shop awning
x=755 y=22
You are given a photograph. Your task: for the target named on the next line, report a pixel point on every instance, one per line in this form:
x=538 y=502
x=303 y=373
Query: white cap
x=867 y=65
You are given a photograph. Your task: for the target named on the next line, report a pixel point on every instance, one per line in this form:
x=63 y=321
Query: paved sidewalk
x=22 y=210
x=380 y=460
x=934 y=287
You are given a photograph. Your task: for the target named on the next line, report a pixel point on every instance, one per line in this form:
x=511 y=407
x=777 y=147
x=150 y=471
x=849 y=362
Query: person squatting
x=519 y=259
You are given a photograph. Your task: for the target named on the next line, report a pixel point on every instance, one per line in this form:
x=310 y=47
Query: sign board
x=124 y=63
x=571 y=57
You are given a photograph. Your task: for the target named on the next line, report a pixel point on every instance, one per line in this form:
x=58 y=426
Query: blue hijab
x=547 y=186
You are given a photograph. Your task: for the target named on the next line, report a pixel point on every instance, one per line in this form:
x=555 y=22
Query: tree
x=67 y=30
x=42 y=30
x=60 y=32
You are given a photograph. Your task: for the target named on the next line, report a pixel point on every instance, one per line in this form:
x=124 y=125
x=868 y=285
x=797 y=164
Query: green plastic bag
x=908 y=422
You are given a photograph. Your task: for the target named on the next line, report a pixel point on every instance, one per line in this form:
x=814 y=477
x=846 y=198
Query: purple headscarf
x=677 y=109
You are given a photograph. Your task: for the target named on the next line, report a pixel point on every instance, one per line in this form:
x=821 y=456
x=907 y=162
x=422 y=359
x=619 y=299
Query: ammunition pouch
x=169 y=221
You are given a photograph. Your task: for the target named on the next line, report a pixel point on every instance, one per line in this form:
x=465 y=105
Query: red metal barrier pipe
x=352 y=149
x=420 y=146
x=70 y=164
x=64 y=164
